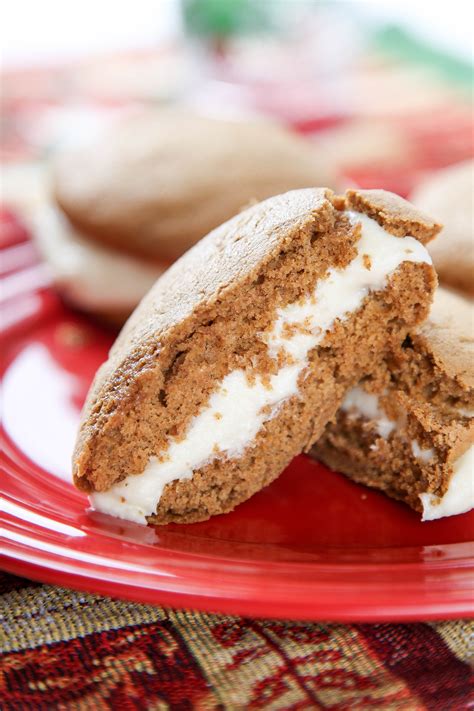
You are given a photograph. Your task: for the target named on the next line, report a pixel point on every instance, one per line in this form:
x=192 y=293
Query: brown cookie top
x=235 y=249
x=164 y=179
x=448 y=335
x=394 y=213
x=221 y=261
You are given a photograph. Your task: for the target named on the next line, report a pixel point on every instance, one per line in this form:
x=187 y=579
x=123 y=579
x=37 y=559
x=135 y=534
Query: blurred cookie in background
x=126 y=207
x=449 y=194
x=94 y=278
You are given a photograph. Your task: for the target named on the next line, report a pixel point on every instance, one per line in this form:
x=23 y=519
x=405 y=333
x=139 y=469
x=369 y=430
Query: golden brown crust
x=200 y=321
x=166 y=178
x=394 y=213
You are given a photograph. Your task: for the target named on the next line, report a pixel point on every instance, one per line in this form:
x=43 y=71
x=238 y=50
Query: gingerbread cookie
x=243 y=350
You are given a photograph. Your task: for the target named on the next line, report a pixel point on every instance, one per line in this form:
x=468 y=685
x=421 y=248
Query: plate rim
x=440 y=609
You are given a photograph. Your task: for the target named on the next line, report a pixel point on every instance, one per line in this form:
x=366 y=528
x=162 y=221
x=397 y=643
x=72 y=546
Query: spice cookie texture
x=449 y=195
x=244 y=349
x=408 y=429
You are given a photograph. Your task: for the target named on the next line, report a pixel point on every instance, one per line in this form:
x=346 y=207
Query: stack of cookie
x=297 y=325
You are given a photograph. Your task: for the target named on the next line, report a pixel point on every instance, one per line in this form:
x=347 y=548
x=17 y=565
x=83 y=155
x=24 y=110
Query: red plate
x=312 y=545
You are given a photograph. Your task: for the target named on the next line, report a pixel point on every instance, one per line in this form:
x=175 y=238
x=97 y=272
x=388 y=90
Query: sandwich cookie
x=244 y=349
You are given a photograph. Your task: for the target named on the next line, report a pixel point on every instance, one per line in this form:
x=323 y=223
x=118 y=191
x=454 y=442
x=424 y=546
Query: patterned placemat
x=62 y=649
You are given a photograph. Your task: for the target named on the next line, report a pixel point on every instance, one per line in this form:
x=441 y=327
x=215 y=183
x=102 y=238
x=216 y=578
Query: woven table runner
x=62 y=649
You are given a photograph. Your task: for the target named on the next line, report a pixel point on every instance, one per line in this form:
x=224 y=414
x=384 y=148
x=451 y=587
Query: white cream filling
x=459 y=497
x=358 y=402
x=235 y=413
x=423 y=454
x=92 y=276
